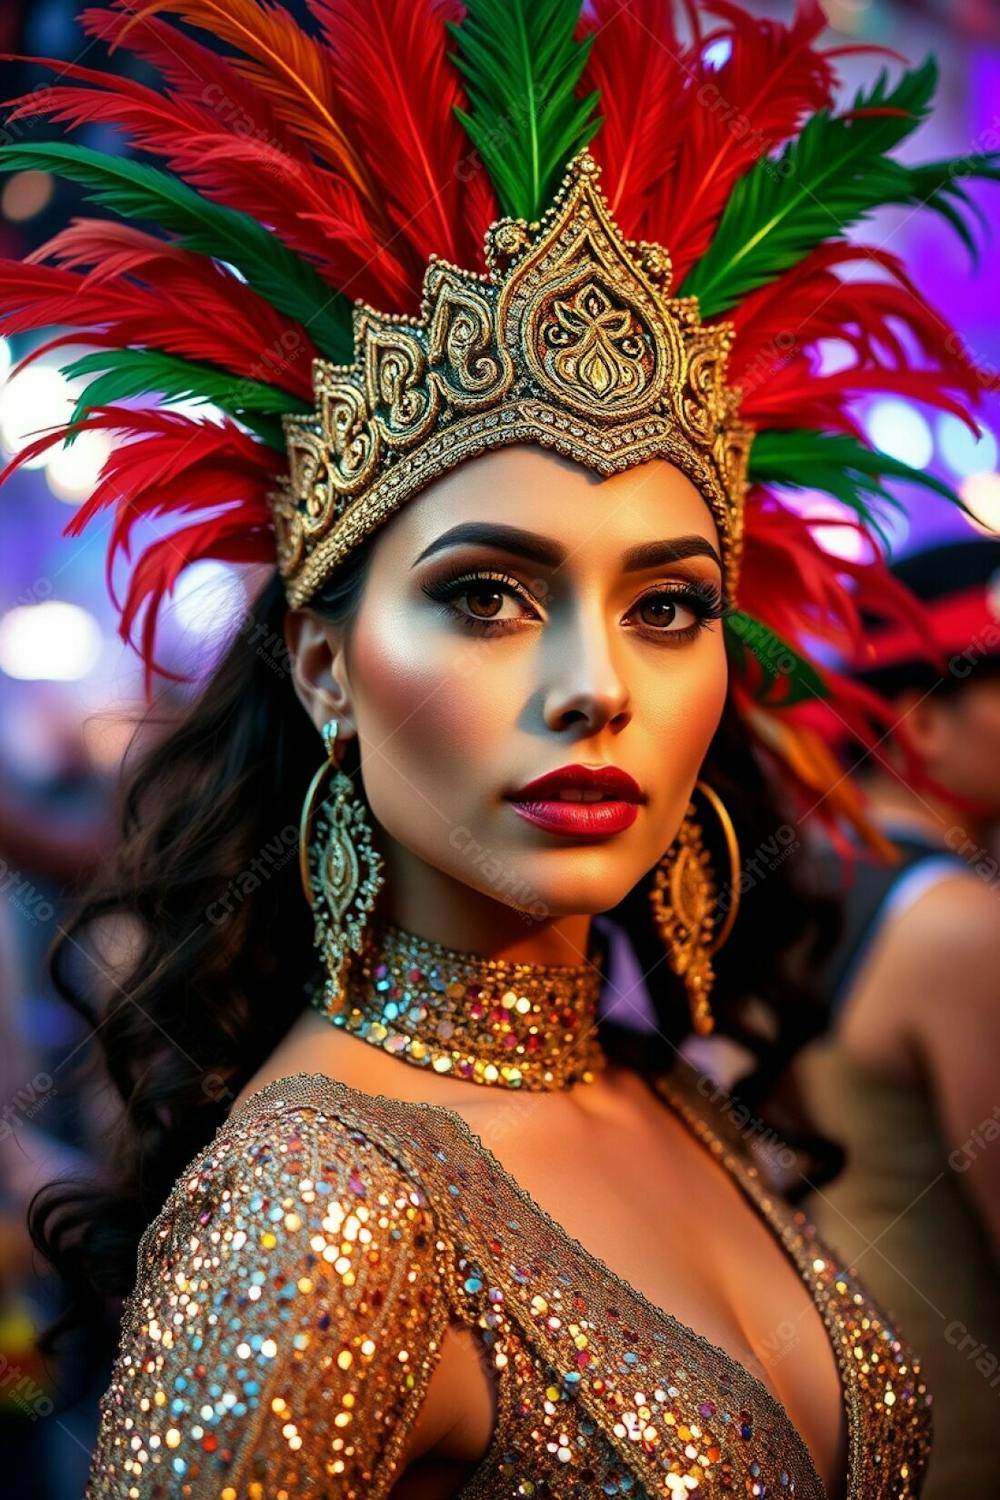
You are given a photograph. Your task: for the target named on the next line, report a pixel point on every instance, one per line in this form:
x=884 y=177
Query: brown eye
x=484 y=603
x=661 y=611
x=658 y=609
x=494 y=602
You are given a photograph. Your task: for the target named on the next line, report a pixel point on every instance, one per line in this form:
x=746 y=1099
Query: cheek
x=428 y=711
x=685 y=700
x=686 y=696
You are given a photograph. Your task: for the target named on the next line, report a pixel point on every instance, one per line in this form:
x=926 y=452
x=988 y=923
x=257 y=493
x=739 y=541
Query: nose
x=586 y=687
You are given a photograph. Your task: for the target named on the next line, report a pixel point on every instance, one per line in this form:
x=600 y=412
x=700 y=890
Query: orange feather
x=293 y=69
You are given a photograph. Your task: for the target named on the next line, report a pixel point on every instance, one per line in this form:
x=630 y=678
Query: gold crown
x=570 y=341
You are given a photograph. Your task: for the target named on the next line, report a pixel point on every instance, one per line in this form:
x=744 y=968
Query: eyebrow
x=543 y=550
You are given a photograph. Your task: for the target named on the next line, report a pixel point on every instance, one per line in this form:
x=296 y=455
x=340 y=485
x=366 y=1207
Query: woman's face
x=522 y=615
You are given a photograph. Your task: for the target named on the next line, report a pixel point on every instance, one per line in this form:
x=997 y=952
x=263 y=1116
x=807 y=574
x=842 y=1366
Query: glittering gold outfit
x=293 y=1294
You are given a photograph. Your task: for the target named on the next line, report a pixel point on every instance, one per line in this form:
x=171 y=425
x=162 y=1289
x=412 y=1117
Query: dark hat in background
x=958 y=585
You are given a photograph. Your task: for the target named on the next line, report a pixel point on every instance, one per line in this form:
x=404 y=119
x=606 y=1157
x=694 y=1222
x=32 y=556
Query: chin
x=583 y=880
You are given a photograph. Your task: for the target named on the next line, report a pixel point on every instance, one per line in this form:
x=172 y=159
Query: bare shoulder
x=963 y=904
x=951 y=930
x=932 y=963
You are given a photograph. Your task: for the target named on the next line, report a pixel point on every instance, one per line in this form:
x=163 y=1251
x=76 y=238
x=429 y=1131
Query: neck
x=426 y=901
x=485 y=1020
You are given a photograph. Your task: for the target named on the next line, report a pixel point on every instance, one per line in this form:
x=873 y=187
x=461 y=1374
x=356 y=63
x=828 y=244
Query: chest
x=667 y=1221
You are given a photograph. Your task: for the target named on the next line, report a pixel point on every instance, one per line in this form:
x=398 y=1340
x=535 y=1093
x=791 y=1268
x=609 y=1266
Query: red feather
x=194 y=73
x=292 y=70
x=805 y=594
x=888 y=327
x=232 y=538
x=173 y=465
x=480 y=210
x=146 y=292
x=644 y=73
x=211 y=149
x=332 y=222
x=826 y=400
x=811 y=302
x=258 y=183
x=790 y=581
x=679 y=132
x=732 y=115
x=396 y=81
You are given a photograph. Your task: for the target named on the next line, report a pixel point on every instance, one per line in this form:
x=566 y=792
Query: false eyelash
x=706 y=600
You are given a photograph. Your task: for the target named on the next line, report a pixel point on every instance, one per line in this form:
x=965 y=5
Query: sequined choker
x=512 y=1025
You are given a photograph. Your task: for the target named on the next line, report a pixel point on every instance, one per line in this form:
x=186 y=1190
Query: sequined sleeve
x=286 y=1318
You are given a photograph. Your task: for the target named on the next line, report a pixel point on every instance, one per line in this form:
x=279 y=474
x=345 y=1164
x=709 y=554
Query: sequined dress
x=293 y=1293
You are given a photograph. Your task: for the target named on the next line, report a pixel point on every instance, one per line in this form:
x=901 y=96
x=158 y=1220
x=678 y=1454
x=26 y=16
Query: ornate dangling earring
x=683 y=898
x=341 y=869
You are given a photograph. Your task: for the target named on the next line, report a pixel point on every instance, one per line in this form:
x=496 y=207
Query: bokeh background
x=71 y=694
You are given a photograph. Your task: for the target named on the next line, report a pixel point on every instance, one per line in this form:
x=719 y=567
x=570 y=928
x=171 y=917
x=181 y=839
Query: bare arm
x=927 y=1007
x=956 y=1031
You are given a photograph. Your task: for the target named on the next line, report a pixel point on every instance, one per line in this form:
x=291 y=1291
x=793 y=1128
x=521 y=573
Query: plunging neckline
x=660 y=1086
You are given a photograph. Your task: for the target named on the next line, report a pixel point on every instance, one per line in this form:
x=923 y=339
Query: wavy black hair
x=204 y=899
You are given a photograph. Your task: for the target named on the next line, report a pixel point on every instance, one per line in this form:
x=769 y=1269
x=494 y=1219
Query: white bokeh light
x=49 y=642
x=33 y=399
x=718 y=53
x=837 y=540
x=208 y=599
x=72 y=472
x=962 y=452
x=897 y=428
x=981 y=493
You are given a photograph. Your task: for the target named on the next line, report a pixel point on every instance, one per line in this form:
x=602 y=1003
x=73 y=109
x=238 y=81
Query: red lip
x=539 y=801
x=608 y=780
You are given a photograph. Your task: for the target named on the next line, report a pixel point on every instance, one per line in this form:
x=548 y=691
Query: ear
x=922 y=721
x=319 y=669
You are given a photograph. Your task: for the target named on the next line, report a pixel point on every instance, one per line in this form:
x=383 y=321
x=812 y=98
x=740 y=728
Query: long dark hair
x=212 y=954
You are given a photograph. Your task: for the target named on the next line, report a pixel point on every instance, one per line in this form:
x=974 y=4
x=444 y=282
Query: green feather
x=522 y=65
x=133 y=372
x=935 y=184
x=840 y=465
x=833 y=174
x=745 y=636
x=136 y=191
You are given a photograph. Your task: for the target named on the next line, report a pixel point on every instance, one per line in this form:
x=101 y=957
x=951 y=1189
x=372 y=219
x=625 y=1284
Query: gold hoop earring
x=340 y=867
x=684 y=900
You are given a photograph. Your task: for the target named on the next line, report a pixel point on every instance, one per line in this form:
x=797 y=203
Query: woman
x=433 y=1225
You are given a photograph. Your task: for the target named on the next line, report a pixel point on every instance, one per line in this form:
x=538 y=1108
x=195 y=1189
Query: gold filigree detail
x=571 y=341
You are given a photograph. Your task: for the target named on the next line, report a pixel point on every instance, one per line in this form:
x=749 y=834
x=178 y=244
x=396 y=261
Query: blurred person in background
x=908 y=1075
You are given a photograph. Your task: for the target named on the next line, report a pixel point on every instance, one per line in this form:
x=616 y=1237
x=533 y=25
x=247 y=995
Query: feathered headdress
x=344 y=213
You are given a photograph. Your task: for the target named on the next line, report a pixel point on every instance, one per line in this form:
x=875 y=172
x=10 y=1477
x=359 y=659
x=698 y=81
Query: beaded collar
x=510 y=1025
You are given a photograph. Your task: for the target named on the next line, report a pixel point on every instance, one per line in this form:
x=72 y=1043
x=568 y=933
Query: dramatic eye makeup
x=489 y=601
